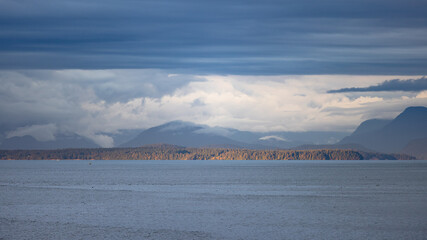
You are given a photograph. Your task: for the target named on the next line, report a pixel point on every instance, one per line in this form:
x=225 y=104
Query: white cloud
x=272 y=137
x=42 y=133
x=422 y=94
x=100 y=139
x=258 y=105
x=74 y=101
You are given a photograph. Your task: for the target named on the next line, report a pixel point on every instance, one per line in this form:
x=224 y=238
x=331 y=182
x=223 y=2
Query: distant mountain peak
x=178 y=122
x=412 y=115
x=180 y=133
x=178 y=125
x=394 y=135
x=415 y=109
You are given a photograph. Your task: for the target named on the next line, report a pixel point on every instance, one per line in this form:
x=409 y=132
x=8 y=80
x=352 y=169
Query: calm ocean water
x=213 y=199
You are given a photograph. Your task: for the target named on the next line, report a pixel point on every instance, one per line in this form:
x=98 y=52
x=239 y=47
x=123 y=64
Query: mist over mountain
x=181 y=133
x=195 y=135
x=124 y=135
x=62 y=141
x=391 y=136
x=404 y=134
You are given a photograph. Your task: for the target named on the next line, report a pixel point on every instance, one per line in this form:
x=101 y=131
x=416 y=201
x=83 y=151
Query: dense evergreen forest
x=172 y=152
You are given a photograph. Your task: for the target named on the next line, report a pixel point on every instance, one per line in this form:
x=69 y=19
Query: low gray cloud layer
x=48 y=103
x=217 y=37
x=411 y=85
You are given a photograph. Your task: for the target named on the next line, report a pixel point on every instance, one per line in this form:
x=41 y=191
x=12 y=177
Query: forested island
x=172 y=152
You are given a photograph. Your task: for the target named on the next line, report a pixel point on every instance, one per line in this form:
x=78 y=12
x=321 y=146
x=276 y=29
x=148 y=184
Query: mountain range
x=62 y=141
x=189 y=134
x=393 y=136
x=407 y=133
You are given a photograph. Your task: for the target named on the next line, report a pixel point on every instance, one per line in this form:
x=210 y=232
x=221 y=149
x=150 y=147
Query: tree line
x=172 y=152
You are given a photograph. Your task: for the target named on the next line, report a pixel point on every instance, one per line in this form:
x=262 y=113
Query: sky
x=94 y=68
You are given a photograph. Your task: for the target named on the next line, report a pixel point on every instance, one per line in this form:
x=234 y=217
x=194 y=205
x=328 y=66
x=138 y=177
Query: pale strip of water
x=213 y=199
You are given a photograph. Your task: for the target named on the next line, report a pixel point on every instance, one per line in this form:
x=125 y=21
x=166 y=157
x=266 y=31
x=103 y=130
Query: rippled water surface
x=213 y=199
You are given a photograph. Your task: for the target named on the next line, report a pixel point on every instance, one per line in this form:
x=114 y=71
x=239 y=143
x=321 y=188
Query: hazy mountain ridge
x=416 y=148
x=60 y=142
x=370 y=125
x=391 y=136
x=195 y=135
x=179 y=133
x=374 y=135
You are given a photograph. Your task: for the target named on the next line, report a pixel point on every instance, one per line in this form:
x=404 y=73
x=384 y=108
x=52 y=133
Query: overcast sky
x=95 y=67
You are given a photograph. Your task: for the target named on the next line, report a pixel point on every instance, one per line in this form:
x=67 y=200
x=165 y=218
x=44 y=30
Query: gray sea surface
x=213 y=199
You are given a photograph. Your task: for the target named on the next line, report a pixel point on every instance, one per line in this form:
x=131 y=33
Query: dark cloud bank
x=225 y=37
x=411 y=85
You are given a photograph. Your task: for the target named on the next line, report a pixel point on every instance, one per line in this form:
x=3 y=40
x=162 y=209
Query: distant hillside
x=195 y=135
x=351 y=146
x=417 y=148
x=123 y=135
x=60 y=142
x=391 y=136
x=158 y=152
x=180 y=133
x=370 y=125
